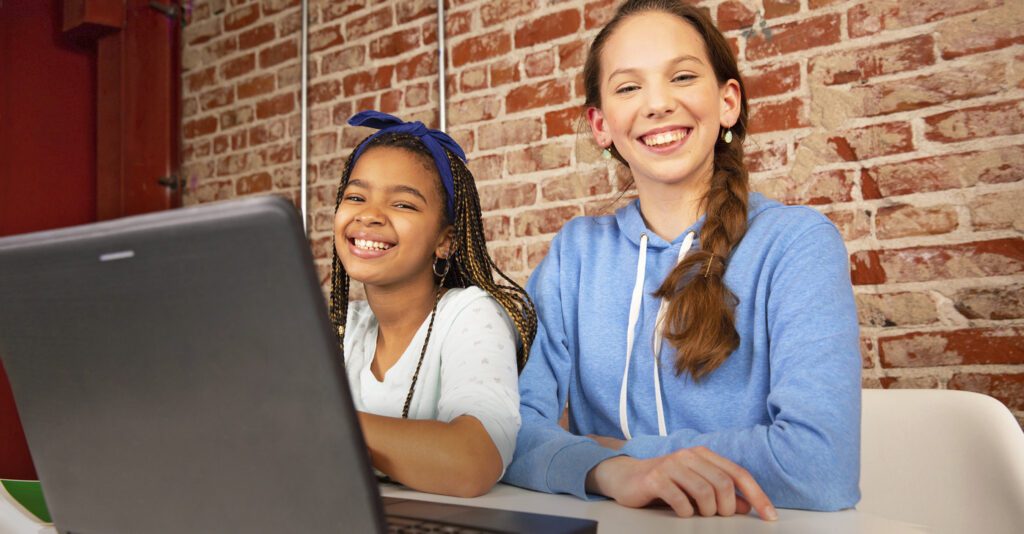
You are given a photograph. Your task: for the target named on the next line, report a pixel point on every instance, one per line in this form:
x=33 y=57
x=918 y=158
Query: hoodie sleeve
x=547 y=457
x=809 y=455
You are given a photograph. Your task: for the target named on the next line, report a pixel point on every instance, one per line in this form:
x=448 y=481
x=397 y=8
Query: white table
x=611 y=517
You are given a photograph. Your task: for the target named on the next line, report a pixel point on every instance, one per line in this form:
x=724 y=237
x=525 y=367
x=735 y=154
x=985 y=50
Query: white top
x=469 y=367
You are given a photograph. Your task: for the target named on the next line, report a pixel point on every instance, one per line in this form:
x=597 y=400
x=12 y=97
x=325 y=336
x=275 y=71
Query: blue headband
x=436 y=142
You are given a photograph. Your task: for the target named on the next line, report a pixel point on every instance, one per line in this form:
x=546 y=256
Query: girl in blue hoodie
x=704 y=338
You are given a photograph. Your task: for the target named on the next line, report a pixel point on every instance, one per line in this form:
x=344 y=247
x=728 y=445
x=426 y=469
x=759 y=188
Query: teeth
x=371 y=245
x=664 y=138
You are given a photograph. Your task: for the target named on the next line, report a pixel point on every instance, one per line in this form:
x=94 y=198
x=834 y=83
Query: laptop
x=177 y=372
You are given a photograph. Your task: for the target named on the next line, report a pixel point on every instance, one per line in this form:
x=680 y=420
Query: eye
x=626 y=89
x=683 y=77
x=352 y=197
x=405 y=206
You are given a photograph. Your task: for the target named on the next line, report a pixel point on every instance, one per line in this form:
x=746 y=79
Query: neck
x=401 y=310
x=668 y=209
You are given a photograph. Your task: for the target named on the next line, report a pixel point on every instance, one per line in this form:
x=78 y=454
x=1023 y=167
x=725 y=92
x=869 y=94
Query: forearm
x=455 y=458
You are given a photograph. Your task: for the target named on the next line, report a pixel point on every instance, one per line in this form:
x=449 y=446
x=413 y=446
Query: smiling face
x=389 y=226
x=661 y=105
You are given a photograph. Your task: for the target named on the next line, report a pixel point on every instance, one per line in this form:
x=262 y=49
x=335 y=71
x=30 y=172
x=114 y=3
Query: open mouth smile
x=665 y=140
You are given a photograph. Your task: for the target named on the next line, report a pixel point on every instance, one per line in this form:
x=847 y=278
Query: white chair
x=949 y=460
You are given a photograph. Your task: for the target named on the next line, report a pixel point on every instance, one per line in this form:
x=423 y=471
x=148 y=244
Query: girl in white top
x=433 y=353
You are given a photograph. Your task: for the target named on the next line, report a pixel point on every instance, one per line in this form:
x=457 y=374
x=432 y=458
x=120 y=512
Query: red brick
x=200 y=79
x=473 y=79
x=473 y=110
x=861 y=144
x=562 y=121
x=795 y=36
x=413 y=9
x=497 y=11
x=210 y=191
x=938 y=173
x=220 y=48
x=456 y=23
x=418 y=66
x=775 y=116
x=867 y=18
x=281 y=52
x=733 y=15
x=867 y=350
x=417 y=95
x=507 y=195
x=539 y=63
x=538 y=158
x=771 y=157
x=241 y=17
x=217 y=98
x=201 y=32
x=572 y=54
x=860 y=64
x=535 y=253
x=234 y=68
x=277 y=105
x=909 y=382
x=1006 y=388
x=957 y=347
x=340 y=113
x=367 y=24
x=509 y=259
x=852 y=224
x=267 y=132
x=344 y=59
x=321 y=144
x=866 y=268
x=276 y=154
x=236 y=163
x=256 y=36
x=576 y=185
x=540 y=94
x=896 y=309
x=1005 y=118
x=325 y=38
x=367 y=81
x=772 y=80
x=390 y=101
x=904 y=220
x=325 y=91
x=199 y=127
x=998 y=211
x=236 y=117
x=819 y=188
x=255 y=86
x=481 y=47
x=991 y=303
x=253 y=183
x=497 y=228
x=276 y=6
x=395 y=44
x=996 y=257
x=336 y=10
x=598 y=13
x=818 y=4
x=486 y=167
x=934 y=89
x=504 y=72
x=547 y=28
x=780 y=8
x=544 y=221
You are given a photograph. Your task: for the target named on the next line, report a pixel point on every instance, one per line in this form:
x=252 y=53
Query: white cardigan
x=469 y=367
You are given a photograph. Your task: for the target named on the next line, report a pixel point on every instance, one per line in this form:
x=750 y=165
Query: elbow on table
x=827 y=488
x=469 y=485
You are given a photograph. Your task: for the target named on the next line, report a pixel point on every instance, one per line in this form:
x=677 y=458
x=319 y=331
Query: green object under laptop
x=28 y=494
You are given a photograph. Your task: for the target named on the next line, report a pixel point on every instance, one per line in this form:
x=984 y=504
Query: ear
x=444 y=243
x=598 y=127
x=730 y=95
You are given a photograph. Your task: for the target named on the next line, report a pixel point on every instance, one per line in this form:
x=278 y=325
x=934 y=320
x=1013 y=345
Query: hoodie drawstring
x=634 y=315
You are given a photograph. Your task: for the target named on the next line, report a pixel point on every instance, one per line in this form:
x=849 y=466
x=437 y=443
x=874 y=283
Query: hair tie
x=707 y=271
x=436 y=142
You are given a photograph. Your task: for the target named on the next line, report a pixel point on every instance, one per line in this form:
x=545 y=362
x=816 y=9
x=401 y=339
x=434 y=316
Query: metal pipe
x=441 y=84
x=304 y=53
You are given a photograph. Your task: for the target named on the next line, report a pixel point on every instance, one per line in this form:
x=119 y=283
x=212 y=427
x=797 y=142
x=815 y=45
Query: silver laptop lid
x=176 y=372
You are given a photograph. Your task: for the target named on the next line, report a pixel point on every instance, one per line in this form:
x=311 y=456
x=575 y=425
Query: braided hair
x=700 y=318
x=469 y=263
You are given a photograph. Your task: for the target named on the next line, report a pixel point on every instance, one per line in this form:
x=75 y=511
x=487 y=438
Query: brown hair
x=700 y=319
x=469 y=264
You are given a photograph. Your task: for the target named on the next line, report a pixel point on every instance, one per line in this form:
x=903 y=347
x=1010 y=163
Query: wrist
x=601 y=478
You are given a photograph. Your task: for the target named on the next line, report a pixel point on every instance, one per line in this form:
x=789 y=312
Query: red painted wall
x=47 y=152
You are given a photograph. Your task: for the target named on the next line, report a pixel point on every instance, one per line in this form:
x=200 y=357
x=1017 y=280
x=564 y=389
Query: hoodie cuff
x=569 y=467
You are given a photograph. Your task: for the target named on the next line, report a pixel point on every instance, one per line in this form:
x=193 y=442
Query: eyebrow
x=674 y=61
x=392 y=189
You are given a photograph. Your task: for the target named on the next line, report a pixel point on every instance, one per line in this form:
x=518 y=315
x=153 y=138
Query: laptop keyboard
x=408 y=525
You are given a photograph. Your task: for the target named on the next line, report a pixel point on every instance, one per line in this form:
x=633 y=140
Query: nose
x=369 y=215
x=658 y=102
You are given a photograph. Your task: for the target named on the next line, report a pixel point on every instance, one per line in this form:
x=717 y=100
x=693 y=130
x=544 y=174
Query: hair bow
x=436 y=142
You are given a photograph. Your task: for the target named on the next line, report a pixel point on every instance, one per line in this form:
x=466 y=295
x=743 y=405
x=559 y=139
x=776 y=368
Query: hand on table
x=689 y=480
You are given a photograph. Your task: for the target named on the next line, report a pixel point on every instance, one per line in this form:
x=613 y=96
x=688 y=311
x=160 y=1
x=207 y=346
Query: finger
x=680 y=469
x=742 y=506
x=661 y=486
x=720 y=482
x=748 y=487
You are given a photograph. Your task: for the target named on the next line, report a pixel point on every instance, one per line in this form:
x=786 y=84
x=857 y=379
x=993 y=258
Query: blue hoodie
x=785 y=405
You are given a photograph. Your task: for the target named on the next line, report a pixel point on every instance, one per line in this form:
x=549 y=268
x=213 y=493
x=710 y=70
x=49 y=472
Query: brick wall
x=903 y=122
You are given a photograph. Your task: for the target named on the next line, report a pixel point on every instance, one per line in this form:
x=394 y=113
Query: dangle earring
x=727 y=136
x=606 y=154
x=438 y=272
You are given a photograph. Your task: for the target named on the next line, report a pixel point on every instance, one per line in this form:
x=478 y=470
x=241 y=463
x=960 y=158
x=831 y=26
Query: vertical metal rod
x=304 y=52
x=441 y=84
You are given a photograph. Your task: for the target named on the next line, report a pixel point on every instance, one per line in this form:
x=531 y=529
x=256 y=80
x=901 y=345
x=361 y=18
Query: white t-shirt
x=469 y=367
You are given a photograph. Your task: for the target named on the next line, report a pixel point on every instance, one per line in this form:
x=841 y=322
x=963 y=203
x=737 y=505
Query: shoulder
x=774 y=224
x=471 y=312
